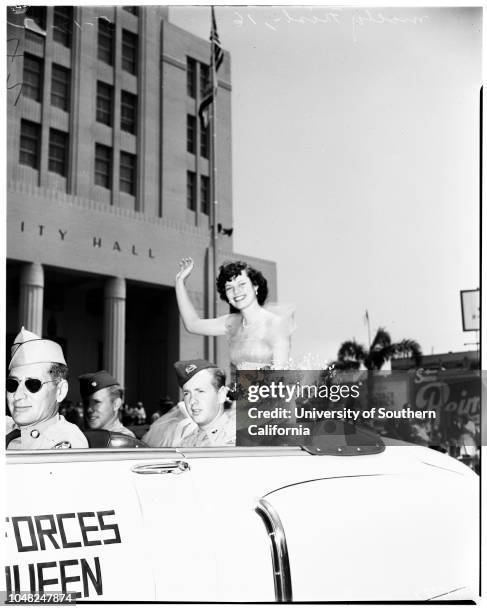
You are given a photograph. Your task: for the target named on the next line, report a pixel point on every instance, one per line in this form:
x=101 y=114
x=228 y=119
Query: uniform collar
x=36 y=429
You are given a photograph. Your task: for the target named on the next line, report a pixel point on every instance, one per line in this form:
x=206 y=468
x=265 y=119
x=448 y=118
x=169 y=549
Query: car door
x=178 y=531
x=105 y=524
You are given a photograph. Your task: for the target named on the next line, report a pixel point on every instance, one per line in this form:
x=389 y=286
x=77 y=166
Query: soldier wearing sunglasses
x=36 y=384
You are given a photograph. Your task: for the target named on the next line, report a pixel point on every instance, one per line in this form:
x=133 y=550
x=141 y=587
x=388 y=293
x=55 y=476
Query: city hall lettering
x=97 y=242
x=47 y=532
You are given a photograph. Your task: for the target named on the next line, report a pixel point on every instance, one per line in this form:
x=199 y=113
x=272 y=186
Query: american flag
x=216 y=62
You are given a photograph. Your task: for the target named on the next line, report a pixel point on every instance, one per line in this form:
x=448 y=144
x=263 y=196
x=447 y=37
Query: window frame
x=128 y=100
x=191 y=134
x=131 y=181
x=191 y=195
x=205 y=194
x=60 y=161
x=204 y=78
x=27 y=86
x=191 y=77
x=130 y=42
x=204 y=141
x=104 y=94
x=108 y=160
x=106 y=34
x=62 y=30
x=36 y=138
x=57 y=68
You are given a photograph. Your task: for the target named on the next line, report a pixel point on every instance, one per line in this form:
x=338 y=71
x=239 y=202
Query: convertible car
x=338 y=521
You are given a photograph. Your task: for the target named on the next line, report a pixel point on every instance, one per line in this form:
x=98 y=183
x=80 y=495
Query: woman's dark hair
x=230 y=270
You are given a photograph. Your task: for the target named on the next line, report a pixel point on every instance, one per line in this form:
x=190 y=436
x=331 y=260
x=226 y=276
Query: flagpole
x=368 y=326
x=213 y=190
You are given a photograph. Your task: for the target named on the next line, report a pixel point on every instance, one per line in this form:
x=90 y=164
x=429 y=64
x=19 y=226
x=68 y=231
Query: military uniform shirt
x=117 y=427
x=169 y=428
x=53 y=433
x=222 y=432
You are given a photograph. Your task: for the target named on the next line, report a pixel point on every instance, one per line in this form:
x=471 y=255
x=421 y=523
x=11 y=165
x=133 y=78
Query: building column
x=31 y=297
x=114 y=328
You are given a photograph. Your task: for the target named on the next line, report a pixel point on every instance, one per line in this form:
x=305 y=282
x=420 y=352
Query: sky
x=355 y=164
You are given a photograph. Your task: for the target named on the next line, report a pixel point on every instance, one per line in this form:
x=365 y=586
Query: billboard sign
x=470 y=299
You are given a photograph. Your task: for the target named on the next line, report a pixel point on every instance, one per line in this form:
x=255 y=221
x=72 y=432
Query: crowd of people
x=455 y=434
x=131 y=415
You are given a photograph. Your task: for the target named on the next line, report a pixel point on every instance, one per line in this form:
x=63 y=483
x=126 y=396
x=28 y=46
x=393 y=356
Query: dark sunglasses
x=33 y=385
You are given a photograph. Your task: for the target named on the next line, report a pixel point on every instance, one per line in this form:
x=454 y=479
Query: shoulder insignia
x=62 y=445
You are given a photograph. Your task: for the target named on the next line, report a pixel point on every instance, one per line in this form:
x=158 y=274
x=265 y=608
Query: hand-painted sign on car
x=54 y=532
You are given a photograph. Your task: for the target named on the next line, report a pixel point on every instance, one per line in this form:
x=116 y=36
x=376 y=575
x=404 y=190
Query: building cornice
x=26 y=189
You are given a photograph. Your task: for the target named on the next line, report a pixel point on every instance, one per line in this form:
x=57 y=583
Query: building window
x=191 y=134
x=30 y=138
x=191 y=77
x=128 y=116
x=128 y=172
x=32 y=82
x=191 y=190
x=205 y=195
x=131 y=9
x=106 y=41
x=58 y=152
x=35 y=23
x=129 y=51
x=103 y=165
x=63 y=25
x=60 y=86
x=36 y=14
x=104 y=103
x=204 y=140
x=204 y=79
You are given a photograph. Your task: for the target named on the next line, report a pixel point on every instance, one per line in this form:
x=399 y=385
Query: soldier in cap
x=204 y=395
x=36 y=384
x=102 y=399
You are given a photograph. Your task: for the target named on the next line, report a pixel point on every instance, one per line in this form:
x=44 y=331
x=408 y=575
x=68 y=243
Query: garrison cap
x=28 y=348
x=94 y=381
x=187 y=369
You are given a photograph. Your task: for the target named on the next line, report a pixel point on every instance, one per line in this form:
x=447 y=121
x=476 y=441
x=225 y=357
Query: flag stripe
x=216 y=60
x=216 y=50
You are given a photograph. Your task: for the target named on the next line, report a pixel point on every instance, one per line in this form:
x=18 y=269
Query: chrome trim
x=149 y=453
x=242 y=451
x=89 y=455
x=174 y=467
x=280 y=557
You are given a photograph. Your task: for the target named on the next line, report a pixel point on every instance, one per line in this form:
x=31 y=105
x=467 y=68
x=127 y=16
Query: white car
x=327 y=524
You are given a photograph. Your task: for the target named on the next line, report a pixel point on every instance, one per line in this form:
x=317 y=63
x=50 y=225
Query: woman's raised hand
x=186 y=266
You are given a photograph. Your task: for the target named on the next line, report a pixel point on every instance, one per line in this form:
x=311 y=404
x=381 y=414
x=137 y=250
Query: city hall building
x=108 y=188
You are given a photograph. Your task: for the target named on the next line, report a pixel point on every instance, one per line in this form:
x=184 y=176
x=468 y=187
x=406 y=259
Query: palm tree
x=351 y=354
